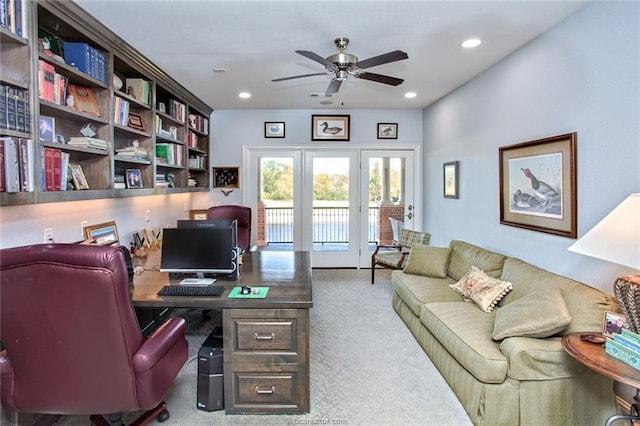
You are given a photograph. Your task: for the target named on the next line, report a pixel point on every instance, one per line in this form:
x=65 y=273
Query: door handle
x=410 y=215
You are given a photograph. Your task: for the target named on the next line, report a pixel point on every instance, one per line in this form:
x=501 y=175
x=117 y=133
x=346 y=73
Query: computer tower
x=210 y=387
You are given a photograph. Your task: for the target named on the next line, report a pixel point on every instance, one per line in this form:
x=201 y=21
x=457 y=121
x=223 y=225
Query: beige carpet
x=366 y=367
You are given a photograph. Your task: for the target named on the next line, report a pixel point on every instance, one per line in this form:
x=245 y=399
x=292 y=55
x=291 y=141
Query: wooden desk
x=266 y=341
x=594 y=356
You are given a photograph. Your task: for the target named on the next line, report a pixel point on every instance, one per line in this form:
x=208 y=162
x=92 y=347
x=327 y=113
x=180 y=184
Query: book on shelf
x=11 y=164
x=87 y=59
x=132 y=152
x=14 y=16
x=16 y=164
x=51 y=168
x=84 y=99
x=121 y=111
x=87 y=142
x=139 y=89
x=15 y=111
x=46 y=79
x=199 y=123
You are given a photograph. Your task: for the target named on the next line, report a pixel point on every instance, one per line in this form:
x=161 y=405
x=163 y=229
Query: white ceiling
x=255 y=42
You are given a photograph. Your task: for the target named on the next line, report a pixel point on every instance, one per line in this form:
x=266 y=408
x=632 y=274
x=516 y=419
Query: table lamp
x=616 y=239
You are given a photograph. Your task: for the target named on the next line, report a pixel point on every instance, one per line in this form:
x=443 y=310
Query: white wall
x=231 y=129
x=581 y=76
x=22 y=225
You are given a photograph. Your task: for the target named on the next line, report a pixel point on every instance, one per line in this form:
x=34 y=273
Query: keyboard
x=191 y=290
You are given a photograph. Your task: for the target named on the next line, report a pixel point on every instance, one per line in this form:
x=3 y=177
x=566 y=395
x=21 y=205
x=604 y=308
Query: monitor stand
x=199 y=280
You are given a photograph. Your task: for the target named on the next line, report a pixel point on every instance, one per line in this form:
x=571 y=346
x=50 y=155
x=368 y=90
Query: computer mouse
x=245 y=290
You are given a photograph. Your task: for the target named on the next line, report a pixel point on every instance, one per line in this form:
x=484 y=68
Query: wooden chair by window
x=395 y=256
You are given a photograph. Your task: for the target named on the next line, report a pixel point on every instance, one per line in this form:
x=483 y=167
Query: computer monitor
x=200 y=249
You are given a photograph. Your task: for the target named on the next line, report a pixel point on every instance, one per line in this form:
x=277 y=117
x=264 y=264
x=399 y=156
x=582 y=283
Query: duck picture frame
x=330 y=127
x=538 y=186
x=387 y=130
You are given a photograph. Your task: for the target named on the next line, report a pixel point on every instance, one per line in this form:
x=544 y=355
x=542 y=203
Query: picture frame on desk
x=102 y=234
x=198 y=214
x=77 y=177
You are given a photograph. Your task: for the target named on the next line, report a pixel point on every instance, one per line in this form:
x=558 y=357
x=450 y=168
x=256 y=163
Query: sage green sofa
x=523 y=377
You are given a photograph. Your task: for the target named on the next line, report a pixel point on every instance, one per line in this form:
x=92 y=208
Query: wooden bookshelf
x=131 y=94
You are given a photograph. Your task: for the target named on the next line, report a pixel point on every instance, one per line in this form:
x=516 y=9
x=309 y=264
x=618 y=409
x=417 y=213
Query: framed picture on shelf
x=330 y=127
x=135 y=121
x=538 y=185
x=134 y=178
x=77 y=177
x=387 y=130
x=47 y=128
x=273 y=129
x=450 y=179
x=226 y=177
x=102 y=234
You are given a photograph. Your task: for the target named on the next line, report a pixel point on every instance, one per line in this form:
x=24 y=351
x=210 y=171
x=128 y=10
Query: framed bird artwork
x=538 y=185
x=330 y=127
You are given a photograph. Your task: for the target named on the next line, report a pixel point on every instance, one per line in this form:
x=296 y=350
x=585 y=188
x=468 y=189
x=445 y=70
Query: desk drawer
x=265 y=335
x=263 y=388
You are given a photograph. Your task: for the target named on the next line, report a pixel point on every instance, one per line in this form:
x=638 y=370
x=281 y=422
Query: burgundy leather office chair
x=242 y=214
x=72 y=343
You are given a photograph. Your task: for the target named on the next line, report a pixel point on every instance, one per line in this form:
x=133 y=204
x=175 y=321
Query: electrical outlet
x=147 y=216
x=48 y=235
x=82 y=225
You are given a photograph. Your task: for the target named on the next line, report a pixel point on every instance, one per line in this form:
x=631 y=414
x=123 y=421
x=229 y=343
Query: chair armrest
x=154 y=348
x=6 y=382
x=379 y=246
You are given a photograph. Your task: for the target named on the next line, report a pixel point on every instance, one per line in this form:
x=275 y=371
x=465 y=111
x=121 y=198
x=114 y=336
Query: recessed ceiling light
x=244 y=95
x=472 y=42
x=326 y=102
x=410 y=95
x=219 y=69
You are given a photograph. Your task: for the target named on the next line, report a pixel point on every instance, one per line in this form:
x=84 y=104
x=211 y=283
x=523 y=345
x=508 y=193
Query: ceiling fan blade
x=317 y=58
x=379 y=78
x=334 y=86
x=385 y=58
x=299 y=76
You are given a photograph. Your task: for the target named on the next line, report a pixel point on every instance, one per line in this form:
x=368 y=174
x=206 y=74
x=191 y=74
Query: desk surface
x=593 y=356
x=287 y=274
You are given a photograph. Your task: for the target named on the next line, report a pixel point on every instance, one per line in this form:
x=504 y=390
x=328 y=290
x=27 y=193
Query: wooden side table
x=594 y=356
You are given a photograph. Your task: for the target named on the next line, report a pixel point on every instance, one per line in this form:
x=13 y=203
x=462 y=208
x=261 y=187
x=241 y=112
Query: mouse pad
x=256 y=293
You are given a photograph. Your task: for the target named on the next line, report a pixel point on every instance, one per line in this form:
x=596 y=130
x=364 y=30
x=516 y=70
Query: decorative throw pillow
x=538 y=315
x=483 y=290
x=428 y=261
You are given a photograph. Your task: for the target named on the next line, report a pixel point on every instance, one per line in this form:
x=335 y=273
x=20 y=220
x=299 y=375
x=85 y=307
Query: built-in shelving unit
x=151 y=125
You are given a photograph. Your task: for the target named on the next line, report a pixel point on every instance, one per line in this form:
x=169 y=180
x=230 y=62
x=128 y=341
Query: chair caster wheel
x=163 y=416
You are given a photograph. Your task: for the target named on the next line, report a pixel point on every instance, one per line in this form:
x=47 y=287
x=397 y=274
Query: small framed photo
x=274 y=129
x=102 y=234
x=47 y=129
x=330 y=127
x=135 y=121
x=387 y=130
x=226 y=177
x=450 y=179
x=198 y=214
x=60 y=138
x=77 y=177
x=134 y=178
x=613 y=323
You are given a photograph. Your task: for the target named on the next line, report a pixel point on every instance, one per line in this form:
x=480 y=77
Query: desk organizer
x=625 y=347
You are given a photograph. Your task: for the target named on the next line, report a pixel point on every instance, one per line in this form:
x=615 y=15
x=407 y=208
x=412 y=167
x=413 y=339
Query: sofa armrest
x=539 y=359
x=158 y=344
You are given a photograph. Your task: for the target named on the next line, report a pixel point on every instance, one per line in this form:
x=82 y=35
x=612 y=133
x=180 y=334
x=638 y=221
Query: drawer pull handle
x=265 y=392
x=264 y=337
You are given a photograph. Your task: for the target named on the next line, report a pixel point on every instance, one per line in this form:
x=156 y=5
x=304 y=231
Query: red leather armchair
x=72 y=343
x=242 y=214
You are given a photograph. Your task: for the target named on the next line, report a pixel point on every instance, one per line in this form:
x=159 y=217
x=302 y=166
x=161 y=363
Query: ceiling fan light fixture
x=471 y=43
x=341 y=75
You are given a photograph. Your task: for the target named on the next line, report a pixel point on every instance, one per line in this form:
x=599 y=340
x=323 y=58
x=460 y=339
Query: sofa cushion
x=539 y=359
x=416 y=290
x=428 y=261
x=586 y=305
x=465 y=332
x=465 y=255
x=539 y=314
x=483 y=290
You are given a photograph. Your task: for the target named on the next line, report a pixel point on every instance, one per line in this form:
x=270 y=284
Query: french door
x=333 y=203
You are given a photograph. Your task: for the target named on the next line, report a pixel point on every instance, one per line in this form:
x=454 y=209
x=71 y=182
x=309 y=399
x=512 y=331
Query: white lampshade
x=616 y=238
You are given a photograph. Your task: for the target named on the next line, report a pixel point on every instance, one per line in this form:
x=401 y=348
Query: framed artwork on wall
x=387 y=130
x=450 y=179
x=226 y=177
x=538 y=185
x=330 y=127
x=273 y=129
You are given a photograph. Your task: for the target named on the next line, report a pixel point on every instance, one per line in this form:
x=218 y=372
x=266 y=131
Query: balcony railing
x=330 y=225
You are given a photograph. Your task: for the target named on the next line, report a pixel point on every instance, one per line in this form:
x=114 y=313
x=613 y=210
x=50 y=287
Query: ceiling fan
x=344 y=64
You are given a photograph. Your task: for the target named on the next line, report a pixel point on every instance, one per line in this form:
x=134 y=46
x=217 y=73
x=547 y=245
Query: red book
x=57 y=170
x=48 y=168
